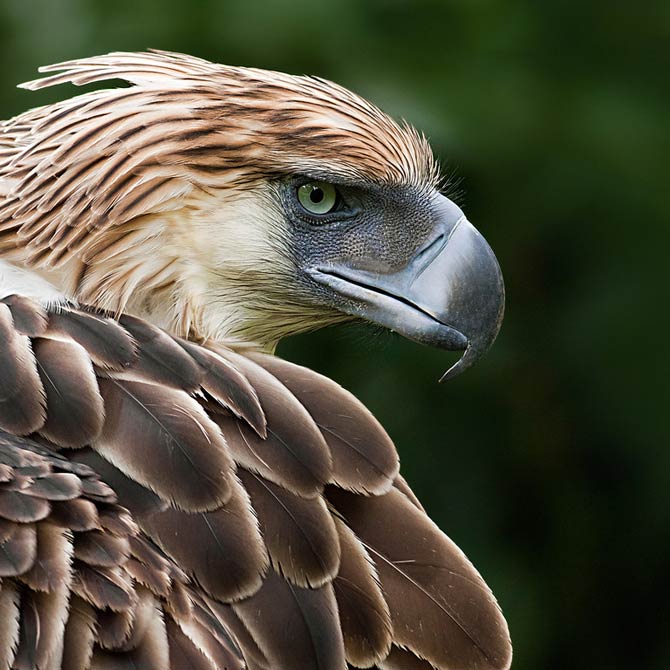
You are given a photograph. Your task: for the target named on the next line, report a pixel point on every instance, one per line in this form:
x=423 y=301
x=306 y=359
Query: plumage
x=299 y=533
x=364 y=613
x=160 y=358
x=101 y=549
x=108 y=345
x=438 y=601
x=294 y=453
x=364 y=458
x=162 y=439
x=228 y=387
x=77 y=515
x=231 y=557
x=17 y=550
x=22 y=400
x=172 y=495
x=310 y=615
x=10 y=615
x=28 y=317
x=51 y=569
x=74 y=406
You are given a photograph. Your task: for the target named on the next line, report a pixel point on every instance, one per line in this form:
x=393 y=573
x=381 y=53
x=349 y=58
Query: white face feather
x=20 y=281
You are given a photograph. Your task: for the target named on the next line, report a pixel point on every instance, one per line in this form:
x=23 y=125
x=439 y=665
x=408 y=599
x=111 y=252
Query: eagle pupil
x=317 y=195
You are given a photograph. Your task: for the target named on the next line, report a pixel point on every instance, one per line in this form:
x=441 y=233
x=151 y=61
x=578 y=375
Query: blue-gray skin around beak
x=450 y=295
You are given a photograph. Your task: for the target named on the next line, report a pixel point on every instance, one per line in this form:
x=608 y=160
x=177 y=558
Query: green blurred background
x=549 y=462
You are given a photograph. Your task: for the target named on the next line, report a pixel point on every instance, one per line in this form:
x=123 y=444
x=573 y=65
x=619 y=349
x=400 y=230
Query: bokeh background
x=549 y=463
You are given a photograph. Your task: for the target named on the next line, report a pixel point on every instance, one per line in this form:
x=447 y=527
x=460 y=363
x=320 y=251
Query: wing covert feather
x=364 y=458
x=299 y=532
x=441 y=608
x=161 y=438
x=294 y=454
x=310 y=615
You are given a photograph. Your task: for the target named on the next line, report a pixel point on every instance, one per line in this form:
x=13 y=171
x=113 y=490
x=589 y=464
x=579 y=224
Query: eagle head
x=240 y=204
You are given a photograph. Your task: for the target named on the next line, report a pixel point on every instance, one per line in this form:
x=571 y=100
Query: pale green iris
x=317 y=197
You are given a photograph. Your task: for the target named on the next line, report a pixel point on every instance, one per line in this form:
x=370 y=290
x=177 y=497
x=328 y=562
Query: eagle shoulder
x=170 y=505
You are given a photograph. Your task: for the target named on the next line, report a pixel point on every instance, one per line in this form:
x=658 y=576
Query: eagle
x=174 y=496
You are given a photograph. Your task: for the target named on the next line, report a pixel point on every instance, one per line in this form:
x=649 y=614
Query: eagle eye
x=318 y=197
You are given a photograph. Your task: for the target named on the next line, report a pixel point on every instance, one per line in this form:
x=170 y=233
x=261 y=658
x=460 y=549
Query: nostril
x=437 y=242
x=428 y=254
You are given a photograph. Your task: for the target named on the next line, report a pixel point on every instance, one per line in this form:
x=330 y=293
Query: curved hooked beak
x=450 y=295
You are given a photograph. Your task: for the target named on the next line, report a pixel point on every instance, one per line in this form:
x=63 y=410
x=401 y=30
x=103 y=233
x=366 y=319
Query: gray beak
x=450 y=295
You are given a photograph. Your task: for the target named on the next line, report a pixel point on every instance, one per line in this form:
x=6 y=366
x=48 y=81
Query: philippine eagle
x=173 y=496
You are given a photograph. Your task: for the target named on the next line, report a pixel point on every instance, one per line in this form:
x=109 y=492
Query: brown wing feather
x=230 y=559
x=28 y=317
x=299 y=533
x=149 y=544
x=75 y=410
x=22 y=402
x=364 y=458
x=161 y=438
x=294 y=454
x=309 y=614
x=364 y=614
x=441 y=609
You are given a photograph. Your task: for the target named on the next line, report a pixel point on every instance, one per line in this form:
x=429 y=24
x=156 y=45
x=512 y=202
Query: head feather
x=85 y=180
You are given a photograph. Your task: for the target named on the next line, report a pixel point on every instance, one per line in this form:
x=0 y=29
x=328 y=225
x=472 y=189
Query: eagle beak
x=450 y=295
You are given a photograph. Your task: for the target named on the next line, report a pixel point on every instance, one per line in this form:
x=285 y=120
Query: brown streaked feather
x=299 y=533
x=364 y=614
x=441 y=609
x=22 y=399
x=310 y=614
x=294 y=454
x=162 y=439
x=109 y=346
x=231 y=558
x=364 y=458
x=75 y=411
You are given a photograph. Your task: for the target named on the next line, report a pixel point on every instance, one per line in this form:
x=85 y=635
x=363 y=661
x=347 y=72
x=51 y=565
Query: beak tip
x=459 y=366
